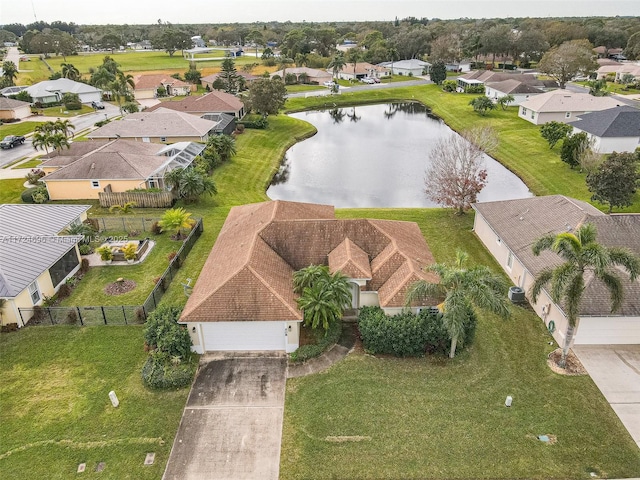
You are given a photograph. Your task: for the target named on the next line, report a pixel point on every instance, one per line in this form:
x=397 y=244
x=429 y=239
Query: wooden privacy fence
x=141 y=199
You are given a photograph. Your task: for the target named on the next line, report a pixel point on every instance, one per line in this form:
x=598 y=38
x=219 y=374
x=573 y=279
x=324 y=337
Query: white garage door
x=244 y=336
x=608 y=331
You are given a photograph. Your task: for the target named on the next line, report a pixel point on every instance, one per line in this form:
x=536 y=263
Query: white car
x=367 y=80
x=329 y=84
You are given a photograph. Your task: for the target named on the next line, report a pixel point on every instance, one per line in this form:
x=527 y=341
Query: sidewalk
x=328 y=358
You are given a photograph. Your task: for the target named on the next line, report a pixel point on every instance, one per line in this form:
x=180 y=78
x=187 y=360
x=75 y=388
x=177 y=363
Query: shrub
x=84 y=265
x=35 y=195
x=164 y=333
x=259 y=124
x=130 y=107
x=474 y=89
x=27 y=195
x=407 y=334
x=156 y=229
x=240 y=128
x=85 y=249
x=34 y=176
x=449 y=85
x=159 y=372
x=71 y=101
x=64 y=291
x=305 y=352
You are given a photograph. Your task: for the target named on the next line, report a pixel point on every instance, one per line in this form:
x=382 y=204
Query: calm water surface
x=373 y=156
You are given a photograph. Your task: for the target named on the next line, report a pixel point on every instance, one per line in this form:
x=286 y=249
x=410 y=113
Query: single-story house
x=508 y=230
x=619 y=70
x=612 y=130
x=460 y=67
x=562 y=106
x=482 y=77
x=362 y=69
x=225 y=124
x=209 y=79
x=51 y=91
x=160 y=126
x=212 y=102
x=411 y=68
x=88 y=168
x=12 y=90
x=519 y=90
x=10 y=109
x=36 y=257
x=313 y=74
x=244 y=299
x=146 y=86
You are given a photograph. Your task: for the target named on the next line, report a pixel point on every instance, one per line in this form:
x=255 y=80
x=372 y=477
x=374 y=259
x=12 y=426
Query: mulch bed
x=120 y=287
x=573 y=367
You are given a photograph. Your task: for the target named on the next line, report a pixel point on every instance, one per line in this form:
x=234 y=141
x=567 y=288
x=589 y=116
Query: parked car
x=11 y=141
x=97 y=105
x=367 y=80
x=329 y=84
x=376 y=80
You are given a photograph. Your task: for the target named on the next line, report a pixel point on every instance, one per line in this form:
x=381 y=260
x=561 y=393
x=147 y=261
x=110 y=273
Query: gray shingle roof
x=30 y=220
x=10 y=103
x=613 y=122
x=513 y=86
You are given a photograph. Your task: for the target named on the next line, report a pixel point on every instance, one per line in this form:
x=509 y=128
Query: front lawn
x=56 y=411
x=18 y=128
x=11 y=189
x=304 y=88
x=62 y=112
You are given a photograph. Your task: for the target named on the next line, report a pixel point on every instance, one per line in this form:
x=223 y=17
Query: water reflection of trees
x=337 y=115
x=353 y=116
x=282 y=175
x=411 y=108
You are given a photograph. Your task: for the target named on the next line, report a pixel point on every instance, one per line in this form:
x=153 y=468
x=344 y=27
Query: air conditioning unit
x=516 y=295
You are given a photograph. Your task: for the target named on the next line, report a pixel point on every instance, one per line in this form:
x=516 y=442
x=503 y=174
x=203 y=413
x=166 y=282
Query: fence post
x=124 y=314
x=21 y=317
x=50 y=316
x=104 y=317
x=80 y=316
x=144 y=226
x=124 y=227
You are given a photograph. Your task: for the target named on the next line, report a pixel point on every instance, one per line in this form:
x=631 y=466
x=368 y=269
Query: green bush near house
x=324 y=340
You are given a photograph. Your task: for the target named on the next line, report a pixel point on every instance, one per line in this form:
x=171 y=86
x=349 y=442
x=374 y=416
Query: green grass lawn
x=33 y=163
x=56 y=411
x=19 y=128
x=304 y=88
x=60 y=111
x=11 y=189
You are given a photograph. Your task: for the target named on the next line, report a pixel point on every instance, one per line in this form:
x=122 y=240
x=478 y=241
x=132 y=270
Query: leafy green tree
x=581 y=255
x=323 y=296
x=464 y=290
x=121 y=88
x=354 y=55
x=573 y=147
x=482 y=105
x=568 y=60
x=9 y=72
x=190 y=183
x=171 y=40
x=598 y=88
x=615 y=182
x=267 y=96
x=553 y=132
x=110 y=41
x=70 y=71
x=632 y=51
x=505 y=100
x=176 y=219
x=84 y=229
x=193 y=75
x=438 y=72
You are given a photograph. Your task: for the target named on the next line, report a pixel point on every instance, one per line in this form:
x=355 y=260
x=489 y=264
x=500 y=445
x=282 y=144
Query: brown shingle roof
x=10 y=103
x=211 y=102
x=145 y=82
x=249 y=272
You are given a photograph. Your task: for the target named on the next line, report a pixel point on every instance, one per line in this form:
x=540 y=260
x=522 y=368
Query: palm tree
x=354 y=55
x=40 y=141
x=336 y=64
x=121 y=88
x=324 y=297
x=64 y=127
x=464 y=290
x=70 y=71
x=83 y=229
x=58 y=141
x=224 y=146
x=193 y=184
x=505 y=100
x=582 y=254
x=175 y=219
x=125 y=209
x=393 y=55
x=9 y=72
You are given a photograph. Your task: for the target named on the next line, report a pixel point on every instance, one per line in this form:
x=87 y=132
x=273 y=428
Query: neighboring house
x=410 y=68
x=209 y=79
x=482 y=77
x=160 y=126
x=35 y=259
x=460 y=67
x=612 y=130
x=509 y=228
x=618 y=71
x=14 y=109
x=146 y=86
x=243 y=298
x=51 y=91
x=8 y=91
x=88 y=168
x=362 y=69
x=212 y=102
x=313 y=74
x=143 y=45
x=562 y=106
x=519 y=90
x=225 y=124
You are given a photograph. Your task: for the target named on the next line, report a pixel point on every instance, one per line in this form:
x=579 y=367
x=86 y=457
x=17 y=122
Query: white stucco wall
x=612 y=144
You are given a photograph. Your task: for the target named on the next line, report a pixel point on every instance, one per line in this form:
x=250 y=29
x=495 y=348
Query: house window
x=95 y=183
x=567 y=115
x=533 y=114
x=163 y=139
x=153 y=184
x=510 y=261
x=34 y=291
x=524 y=111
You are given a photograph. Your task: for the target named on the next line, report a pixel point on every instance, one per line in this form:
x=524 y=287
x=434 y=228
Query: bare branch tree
x=457 y=174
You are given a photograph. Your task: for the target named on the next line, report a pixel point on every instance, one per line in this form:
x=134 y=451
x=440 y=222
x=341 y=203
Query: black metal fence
x=114 y=315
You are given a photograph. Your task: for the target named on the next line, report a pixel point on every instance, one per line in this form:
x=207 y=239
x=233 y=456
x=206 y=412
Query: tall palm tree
x=464 y=290
x=336 y=64
x=354 y=55
x=64 y=127
x=582 y=254
x=59 y=141
x=393 y=55
x=40 y=141
x=325 y=297
x=70 y=71
x=9 y=72
x=121 y=88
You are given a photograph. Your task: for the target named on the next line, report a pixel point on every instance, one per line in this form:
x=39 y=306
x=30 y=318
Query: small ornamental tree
x=615 y=182
x=573 y=147
x=505 y=100
x=553 y=132
x=175 y=219
x=482 y=105
x=438 y=72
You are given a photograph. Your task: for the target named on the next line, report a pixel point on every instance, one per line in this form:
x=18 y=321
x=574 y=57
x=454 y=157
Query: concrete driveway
x=615 y=369
x=232 y=425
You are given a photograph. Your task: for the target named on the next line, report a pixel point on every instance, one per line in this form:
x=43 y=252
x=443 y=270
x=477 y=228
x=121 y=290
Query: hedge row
x=305 y=352
x=407 y=334
x=159 y=373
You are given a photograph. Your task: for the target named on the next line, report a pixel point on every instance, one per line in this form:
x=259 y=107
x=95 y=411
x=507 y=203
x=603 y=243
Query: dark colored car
x=11 y=141
x=97 y=105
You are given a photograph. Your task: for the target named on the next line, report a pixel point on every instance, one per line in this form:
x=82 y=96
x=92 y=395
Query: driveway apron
x=615 y=369
x=231 y=427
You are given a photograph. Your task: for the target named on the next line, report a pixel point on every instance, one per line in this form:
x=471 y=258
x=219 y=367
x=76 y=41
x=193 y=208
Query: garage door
x=244 y=336
x=608 y=331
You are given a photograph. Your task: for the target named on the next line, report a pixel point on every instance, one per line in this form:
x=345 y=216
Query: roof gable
x=612 y=122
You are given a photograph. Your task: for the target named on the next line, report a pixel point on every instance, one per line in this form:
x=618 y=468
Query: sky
x=226 y=11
